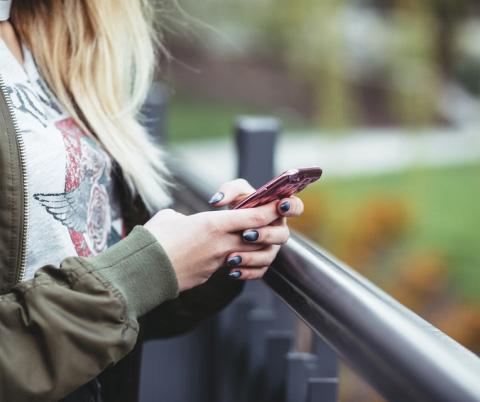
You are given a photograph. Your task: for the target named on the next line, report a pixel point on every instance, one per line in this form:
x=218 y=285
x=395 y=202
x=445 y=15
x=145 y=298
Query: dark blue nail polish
x=217 y=197
x=250 y=235
x=235 y=260
x=285 y=207
x=235 y=274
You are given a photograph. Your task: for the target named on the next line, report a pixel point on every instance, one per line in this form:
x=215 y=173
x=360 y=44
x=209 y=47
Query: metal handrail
x=401 y=355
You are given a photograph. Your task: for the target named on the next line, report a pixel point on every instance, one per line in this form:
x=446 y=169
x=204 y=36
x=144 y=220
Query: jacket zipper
x=23 y=168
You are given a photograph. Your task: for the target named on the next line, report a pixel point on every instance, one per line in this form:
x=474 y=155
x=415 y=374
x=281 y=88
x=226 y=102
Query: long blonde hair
x=98 y=58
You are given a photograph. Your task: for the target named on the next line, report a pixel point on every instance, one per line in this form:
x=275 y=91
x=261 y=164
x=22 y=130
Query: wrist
x=139 y=267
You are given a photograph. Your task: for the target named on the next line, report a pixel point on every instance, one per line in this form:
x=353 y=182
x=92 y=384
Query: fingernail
x=285 y=207
x=250 y=235
x=235 y=274
x=217 y=197
x=235 y=261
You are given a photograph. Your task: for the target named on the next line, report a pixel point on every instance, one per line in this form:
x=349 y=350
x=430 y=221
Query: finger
x=250 y=218
x=290 y=207
x=231 y=191
x=277 y=234
x=255 y=259
x=282 y=221
x=248 y=274
x=236 y=242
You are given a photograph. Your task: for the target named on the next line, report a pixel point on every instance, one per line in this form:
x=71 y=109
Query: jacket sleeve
x=64 y=327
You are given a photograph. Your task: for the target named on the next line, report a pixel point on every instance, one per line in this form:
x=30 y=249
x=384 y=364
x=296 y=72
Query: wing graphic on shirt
x=71 y=209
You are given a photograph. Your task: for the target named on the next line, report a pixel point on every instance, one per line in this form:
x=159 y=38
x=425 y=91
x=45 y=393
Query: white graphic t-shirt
x=5 y=9
x=72 y=207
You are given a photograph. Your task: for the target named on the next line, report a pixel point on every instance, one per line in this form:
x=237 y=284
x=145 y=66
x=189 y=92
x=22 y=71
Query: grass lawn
x=193 y=119
x=443 y=218
x=442 y=207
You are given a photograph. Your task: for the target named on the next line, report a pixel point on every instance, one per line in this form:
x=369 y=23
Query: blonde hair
x=98 y=58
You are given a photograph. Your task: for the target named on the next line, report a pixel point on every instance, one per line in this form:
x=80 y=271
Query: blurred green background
x=337 y=69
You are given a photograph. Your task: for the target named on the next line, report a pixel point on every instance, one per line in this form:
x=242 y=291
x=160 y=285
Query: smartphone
x=283 y=186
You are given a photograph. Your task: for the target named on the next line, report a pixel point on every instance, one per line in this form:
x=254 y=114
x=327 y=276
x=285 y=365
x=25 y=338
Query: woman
x=81 y=257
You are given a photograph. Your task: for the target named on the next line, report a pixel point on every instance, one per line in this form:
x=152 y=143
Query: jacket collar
x=12 y=207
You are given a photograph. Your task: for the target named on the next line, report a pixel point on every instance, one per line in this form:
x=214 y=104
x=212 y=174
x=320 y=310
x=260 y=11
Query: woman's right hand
x=199 y=244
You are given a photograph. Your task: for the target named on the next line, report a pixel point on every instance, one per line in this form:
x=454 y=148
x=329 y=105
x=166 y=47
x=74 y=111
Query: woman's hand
x=270 y=236
x=247 y=240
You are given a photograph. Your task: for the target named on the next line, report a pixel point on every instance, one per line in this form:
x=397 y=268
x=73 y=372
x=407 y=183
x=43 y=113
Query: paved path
x=363 y=152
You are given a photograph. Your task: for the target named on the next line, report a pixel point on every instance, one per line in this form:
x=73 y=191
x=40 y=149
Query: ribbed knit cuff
x=139 y=267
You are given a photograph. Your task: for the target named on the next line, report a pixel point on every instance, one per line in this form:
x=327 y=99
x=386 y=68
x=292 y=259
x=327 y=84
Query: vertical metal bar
x=278 y=344
x=322 y=389
x=154 y=112
x=300 y=367
x=230 y=355
x=328 y=362
x=256 y=137
x=312 y=377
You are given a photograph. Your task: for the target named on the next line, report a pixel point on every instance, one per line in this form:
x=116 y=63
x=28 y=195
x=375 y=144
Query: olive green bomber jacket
x=67 y=325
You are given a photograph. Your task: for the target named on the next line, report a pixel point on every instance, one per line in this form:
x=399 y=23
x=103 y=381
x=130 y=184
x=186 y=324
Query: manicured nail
x=217 y=197
x=285 y=207
x=250 y=235
x=235 y=274
x=235 y=261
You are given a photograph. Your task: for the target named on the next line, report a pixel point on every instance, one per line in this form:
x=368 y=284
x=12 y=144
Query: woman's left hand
x=267 y=238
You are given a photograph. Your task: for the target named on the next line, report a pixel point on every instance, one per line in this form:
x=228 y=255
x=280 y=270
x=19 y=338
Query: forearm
x=140 y=269
x=64 y=327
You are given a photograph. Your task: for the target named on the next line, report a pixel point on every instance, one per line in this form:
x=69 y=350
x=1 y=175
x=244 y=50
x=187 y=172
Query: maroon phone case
x=283 y=186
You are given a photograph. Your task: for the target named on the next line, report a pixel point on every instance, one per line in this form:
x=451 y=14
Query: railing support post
x=256 y=137
x=300 y=368
x=154 y=112
x=278 y=345
x=322 y=389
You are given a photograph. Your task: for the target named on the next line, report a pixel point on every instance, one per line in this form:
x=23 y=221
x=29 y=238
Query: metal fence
x=259 y=350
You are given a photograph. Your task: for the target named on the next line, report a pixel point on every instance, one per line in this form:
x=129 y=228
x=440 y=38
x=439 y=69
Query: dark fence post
x=240 y=362
x=300 y=368
x=268 y=374
x=306 y=380
x=175 y=369
x=154 y=112
x=278 y=345
x=256 y=138
x=322 y=389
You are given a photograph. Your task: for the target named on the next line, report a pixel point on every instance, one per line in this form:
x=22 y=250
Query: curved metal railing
x=401 y=355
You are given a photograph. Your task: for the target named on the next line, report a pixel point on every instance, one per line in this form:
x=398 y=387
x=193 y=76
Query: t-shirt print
x=84 y=207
